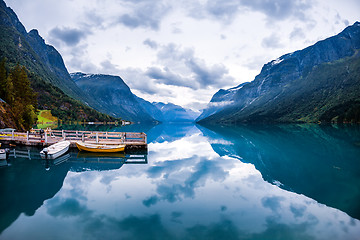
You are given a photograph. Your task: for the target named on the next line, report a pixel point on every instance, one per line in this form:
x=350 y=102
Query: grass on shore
x=46 y=119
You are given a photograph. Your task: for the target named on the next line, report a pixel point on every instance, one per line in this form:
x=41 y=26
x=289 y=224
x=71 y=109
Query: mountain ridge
x=287 y=79
x=113 y=95
x=45 y=68
x=107 y=89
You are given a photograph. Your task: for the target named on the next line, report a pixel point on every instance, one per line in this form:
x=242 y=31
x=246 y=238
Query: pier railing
x=49 y=136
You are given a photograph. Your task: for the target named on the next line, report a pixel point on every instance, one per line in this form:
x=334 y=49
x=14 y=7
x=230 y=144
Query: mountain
x=116 y=99
x=113 y=95
x=221 y=99
x=151 y=109
x=7 y=118
x=47 y=72
x=318 y=83
x=174 y=113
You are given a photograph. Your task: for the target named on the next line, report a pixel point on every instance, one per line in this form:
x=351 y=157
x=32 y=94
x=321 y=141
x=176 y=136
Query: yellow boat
x=100 y=148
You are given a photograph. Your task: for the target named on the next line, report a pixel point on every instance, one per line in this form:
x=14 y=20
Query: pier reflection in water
x=29 y=180
x=223 y=183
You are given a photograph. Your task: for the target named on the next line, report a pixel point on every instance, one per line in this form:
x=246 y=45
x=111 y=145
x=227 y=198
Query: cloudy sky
x=181 y=51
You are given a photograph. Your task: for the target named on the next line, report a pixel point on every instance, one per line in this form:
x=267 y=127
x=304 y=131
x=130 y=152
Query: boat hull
x=56 y=150
x=2 y=154
x=98 y=148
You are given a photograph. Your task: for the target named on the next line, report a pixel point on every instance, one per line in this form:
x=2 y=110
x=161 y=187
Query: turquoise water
x=254 y=182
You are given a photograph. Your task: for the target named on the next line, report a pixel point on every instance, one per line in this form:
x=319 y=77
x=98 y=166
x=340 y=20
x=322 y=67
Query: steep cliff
x=318 y=83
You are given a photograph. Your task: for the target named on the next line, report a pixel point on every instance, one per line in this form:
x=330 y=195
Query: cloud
x=197 y=177
x=137 y=79
x=273 y=41
x=182 y=68
x=297 y=210
x=167 y=77
x=256 y=62
x=69 y=36
x=227 y=11
x=272 y=203
x=69 y=207
x=109 y=68
x=224 y=229
x=279 y=9
x=134 y=226
x=152 y=44
x=208 y=76
x=297 y=33
x=151 y=201
x=145 y=14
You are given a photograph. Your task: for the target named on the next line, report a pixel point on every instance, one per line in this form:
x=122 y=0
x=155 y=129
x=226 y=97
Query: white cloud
x=166 y=50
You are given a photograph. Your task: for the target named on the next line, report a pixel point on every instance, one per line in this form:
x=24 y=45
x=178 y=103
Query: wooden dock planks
x=36 y=137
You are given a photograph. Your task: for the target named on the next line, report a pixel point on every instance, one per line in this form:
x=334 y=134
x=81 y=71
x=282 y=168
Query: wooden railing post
x=27 y=136
x=97 y=138
x=12 y=134
x=45 y=137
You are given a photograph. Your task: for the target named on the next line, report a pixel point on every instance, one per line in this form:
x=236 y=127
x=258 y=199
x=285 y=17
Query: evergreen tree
x=3 y=79
x=9 y=96
x=17 y=92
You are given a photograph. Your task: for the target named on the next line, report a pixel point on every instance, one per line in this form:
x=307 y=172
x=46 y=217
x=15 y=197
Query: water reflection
x=185 y=191
x=24 y=187
x=30 y=180
x=318 y=161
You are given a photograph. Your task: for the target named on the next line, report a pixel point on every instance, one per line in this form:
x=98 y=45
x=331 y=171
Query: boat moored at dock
x=55 y=150
x=100 y=148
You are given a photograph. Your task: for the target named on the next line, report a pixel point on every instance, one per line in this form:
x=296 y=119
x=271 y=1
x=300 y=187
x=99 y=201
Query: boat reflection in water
x=37 y=180
x=88 y=161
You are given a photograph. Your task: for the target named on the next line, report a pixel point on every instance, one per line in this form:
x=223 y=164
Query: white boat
x=55 y=150
x=2 y=154
x=3 y=161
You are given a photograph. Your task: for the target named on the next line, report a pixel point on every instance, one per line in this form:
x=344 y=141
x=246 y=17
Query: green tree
x=3 y=79
x=20 y=96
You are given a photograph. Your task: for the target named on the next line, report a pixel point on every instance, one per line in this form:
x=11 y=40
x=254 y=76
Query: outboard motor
x=7 y=153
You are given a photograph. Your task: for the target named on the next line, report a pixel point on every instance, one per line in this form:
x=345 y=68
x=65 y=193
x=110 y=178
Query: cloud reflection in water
x=186 y=191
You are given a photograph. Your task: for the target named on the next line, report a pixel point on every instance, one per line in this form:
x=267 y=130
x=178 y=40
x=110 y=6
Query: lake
x=195 y=182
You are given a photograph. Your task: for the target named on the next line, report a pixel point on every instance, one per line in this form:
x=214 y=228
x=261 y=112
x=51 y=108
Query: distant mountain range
x=75 y=97
x=113 y=95
x=115 y=98
x=318 y=83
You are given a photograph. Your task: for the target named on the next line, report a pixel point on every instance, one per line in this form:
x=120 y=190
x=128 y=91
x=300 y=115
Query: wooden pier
x=38 y=137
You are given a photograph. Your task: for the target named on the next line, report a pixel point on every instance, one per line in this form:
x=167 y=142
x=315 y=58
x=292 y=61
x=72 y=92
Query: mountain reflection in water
x=193 y=184
x=321 y=162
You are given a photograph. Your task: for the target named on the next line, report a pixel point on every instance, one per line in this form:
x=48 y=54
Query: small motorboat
x=2 y=154
x=55 y=150
x=100 y=148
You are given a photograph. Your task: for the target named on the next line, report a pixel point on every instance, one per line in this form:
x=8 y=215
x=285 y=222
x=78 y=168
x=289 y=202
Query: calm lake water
x=254 y=182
